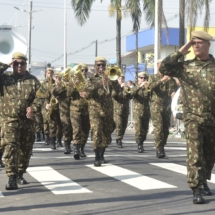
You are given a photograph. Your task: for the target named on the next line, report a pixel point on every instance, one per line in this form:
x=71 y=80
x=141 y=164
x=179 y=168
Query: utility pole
x=96 y=48
x=156 y=39
x=136 y=63
x=65 y=35
x=29 y=36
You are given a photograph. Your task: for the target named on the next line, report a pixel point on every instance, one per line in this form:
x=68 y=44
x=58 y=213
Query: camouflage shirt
x=197 y=79
x=99 y=98
x=141 y=96
x=121 y=101
x=161 y=91
x=17 y=92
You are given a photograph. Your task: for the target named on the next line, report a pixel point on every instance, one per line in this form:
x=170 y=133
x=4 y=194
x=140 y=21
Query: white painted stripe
x=55 y=182
x=42 y=149
x=1 y=195
x=131 y=178
x=115 y=155
x=179 y=169
x=176 y=148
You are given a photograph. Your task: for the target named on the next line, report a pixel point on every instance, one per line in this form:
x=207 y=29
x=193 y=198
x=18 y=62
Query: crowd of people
x=69 y=105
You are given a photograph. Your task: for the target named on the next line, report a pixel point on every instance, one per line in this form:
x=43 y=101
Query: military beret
x=122 y=75
x=160 y=60
x=83 y=65
x=201 y=35
x=19 y=55
x=142 y=74
x=100 y=58
x=49 y=69
x=56 y=73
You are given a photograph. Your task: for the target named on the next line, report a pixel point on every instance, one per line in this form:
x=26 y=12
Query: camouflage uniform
x=161 y=107
x=197 y=79
x=17 y=132
x=100 y=108
x=121 y=111
x=64 y=100
x=141 y=113
x=39 y=124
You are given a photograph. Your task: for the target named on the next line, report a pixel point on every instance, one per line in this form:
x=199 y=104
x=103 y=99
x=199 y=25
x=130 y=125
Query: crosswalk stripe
x=42 y=149
x=175 y=148
x=178 y=168
x=55 y=182
x=1 y=195
x=132 y=178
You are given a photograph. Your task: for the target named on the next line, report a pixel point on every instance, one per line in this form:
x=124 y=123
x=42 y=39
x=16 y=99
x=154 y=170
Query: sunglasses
x=143 y=77
x=102 y=64
x=19 y=63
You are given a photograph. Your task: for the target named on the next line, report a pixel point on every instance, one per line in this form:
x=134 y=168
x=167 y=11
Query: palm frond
x=82 y=9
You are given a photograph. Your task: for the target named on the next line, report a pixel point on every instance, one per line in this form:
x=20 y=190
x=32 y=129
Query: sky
x=47 y=40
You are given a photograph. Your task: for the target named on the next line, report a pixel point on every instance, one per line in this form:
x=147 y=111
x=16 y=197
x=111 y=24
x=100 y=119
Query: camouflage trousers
x=80 y=127
x=67 y=127
x=141 y=124
x=200 y=153
x=39 y=122
x=45 y=121
x=55 y=126
x=17 y=139
x=161 y=122
x=101 y=128
x=120 y=125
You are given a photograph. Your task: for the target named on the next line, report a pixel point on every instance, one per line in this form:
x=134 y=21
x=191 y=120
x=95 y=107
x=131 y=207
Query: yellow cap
x=142 y=74
x=201 y=35
x=100 y=58
x=83 y=65
x=49 y=69
x=56 y=73
x=19 y=55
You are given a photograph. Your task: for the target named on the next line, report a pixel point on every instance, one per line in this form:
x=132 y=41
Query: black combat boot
x=12 y=184
x=38 y=137
x=97 y=157
x=67 y=147
x=119 y=143
x=76 y=151
x=206 y=190
x=102 y=156
x=82 y=151
x=1 y=162
x=53 y=142
x=59 y=142
x=161 y=154
x=198 y=196
x=21 y=180
x=47 y=139
x=140 y=147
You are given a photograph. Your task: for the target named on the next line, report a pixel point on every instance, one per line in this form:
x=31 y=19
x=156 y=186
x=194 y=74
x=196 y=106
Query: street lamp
x=29 y=30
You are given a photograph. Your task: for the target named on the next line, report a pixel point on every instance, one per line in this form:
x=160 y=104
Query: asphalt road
x=131 y=183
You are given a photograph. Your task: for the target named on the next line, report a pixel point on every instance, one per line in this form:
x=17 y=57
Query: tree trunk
x=136 y=64
x=181 y=24
x=118 y=40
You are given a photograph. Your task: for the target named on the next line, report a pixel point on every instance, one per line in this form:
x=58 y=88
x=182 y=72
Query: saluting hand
x=185 y=48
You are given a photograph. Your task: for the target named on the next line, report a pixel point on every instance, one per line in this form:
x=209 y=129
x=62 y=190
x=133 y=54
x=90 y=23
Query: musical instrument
x=53 y=105
x=65 y=74
x=113 y=72
x=11 y=40
x=76 y=74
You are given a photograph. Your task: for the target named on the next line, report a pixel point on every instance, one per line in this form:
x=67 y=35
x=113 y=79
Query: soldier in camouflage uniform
x=64 y=101
x=98 y=91
x=141 y=112
x=197 y=78
x=53 y=115
x=18 y=92
x=121 y=110
x=162 y=88
x=46 y=85
x=79 y=115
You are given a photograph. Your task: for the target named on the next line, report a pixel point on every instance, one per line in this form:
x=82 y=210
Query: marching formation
x=69 y=105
